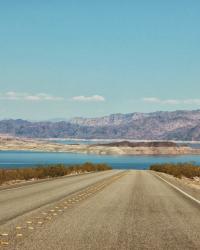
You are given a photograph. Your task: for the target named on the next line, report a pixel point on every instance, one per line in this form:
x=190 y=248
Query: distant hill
x=177 y=125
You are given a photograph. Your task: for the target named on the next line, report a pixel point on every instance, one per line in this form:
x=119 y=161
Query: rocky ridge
x=177 y=125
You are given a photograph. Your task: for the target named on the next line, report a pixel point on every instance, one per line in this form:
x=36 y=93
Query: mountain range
x=162 y=125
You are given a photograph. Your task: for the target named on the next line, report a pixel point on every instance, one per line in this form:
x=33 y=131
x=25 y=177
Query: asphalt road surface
x=113 y=210
x=17 y=201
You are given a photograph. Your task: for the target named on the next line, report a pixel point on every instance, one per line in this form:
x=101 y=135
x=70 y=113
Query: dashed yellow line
x=4 y=234
x=64 y=205
x=4 y=243
x=19 y=235
x=29 y=222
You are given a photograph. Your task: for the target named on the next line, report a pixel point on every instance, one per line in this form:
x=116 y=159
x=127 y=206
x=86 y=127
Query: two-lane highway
x=135 y=211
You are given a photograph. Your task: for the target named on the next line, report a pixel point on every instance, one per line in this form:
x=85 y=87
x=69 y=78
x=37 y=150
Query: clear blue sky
x=92 y=58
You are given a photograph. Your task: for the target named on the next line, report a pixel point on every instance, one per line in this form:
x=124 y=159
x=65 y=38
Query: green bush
x=188 y=170
x=56 y=170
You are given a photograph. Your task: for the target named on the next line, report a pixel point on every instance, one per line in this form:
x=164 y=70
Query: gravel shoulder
x=192 y=187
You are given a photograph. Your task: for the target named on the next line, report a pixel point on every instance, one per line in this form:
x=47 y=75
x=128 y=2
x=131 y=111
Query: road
x=129 y=210
x=18 y=201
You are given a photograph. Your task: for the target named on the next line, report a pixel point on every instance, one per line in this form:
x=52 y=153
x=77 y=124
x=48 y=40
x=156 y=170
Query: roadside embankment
x=179 y=170
x=183 y=175
x=11 y=176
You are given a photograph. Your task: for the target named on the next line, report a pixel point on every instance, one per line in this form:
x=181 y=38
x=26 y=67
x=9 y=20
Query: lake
x=13 y=159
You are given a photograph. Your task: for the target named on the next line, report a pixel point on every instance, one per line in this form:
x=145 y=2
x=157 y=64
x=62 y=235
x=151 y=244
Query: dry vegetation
x=188 y=170
x=42 y=172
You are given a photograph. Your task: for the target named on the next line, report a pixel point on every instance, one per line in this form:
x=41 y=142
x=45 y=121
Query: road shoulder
x=180 y=183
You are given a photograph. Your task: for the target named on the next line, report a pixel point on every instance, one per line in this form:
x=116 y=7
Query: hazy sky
x=92 y=58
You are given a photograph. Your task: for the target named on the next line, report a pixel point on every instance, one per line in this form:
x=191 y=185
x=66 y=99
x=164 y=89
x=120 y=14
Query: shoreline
x=19 y=144
x=91 y=153
x=112 y=140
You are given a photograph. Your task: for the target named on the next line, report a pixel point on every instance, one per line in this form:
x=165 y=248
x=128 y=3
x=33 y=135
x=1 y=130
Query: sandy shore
x=10 y=143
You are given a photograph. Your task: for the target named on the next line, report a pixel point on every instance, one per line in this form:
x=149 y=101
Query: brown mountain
x=177 y=125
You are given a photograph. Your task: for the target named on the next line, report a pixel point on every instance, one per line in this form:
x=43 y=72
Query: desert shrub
x=188 y=169
x=56 y=170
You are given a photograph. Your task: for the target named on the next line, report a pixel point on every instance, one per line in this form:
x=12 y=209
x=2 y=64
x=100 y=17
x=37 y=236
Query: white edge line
x=180 y=190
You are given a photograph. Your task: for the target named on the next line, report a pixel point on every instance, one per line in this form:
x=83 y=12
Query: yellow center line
x=19 y=235
x=65 y=204
x=4 y=243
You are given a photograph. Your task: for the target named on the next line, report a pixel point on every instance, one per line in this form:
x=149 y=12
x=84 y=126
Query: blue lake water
x=13 y=159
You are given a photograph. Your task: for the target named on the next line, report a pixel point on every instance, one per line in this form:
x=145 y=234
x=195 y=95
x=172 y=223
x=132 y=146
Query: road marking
x=4 y=243
x=19 y=235
x=180 y=190
x=4 y=234
x=68 y=202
